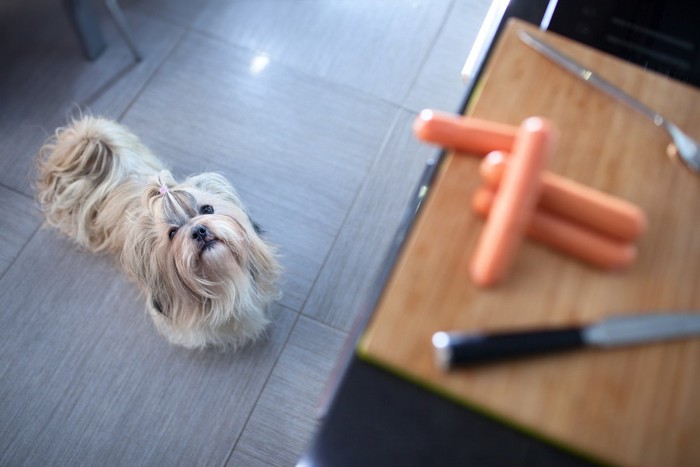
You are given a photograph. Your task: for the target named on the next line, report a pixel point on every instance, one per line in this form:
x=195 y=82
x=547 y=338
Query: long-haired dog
x=190 y=246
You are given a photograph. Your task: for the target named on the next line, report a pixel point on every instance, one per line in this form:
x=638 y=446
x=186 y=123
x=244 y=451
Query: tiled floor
x=318 y=144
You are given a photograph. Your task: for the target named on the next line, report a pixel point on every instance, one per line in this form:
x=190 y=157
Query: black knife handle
x=453 y=349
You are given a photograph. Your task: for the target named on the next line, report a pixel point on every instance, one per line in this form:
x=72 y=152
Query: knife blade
x=457 y=349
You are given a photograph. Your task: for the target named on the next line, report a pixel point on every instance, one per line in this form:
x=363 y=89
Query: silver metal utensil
x=685 y=147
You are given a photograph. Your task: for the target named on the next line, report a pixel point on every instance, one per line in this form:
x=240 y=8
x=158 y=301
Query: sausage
x=570 y=238
x=464 y=134
x=514 y=202
x=600 y=211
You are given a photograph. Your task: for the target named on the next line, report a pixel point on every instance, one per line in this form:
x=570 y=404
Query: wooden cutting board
x=638 y=406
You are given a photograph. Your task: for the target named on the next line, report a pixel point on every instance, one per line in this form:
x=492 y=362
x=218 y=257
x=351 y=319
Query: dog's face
x=198 y=256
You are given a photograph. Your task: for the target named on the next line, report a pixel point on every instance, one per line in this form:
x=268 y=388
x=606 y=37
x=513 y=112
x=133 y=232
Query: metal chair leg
x=120 y=20
x=84 y=18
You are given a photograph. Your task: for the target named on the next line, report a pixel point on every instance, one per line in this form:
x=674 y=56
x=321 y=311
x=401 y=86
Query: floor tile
x=297 y=159
x=180 y=12
x=378 y=47
x=44 y=77
x=284 y=420
x=349 y=274
x=19 y=219
x=87 y=381
x=439 y=84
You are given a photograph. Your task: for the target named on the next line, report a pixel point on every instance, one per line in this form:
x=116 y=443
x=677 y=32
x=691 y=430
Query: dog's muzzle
x=204 y=238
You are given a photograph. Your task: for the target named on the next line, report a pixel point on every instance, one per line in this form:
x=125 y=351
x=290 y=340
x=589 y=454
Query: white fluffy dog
x=190 y=246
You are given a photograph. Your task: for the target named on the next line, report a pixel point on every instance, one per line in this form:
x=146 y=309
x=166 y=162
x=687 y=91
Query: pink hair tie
x=163 y=189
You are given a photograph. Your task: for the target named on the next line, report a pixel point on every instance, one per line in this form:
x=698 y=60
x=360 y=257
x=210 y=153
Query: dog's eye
x=172 y=232
x=206 y=209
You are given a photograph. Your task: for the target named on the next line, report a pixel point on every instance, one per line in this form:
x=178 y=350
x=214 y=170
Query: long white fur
x=98 y=184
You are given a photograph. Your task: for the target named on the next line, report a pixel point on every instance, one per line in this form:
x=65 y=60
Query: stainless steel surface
x=484 y=39
x=686 y=148
x=627 y=330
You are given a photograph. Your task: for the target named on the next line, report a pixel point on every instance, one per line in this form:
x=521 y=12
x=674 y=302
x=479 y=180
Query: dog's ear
x=156 y=305
x=159 y=305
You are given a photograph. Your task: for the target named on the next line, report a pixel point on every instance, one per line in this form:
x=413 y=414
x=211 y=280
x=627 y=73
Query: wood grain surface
x=633 y=406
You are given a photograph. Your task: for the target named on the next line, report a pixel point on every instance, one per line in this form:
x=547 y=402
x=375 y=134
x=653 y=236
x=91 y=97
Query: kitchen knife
x=684 y=146
x=457 y=349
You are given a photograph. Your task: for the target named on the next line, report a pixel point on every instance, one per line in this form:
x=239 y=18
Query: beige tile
x=19 y=219
x=284 y=420
x=377 y=47
x=439 y=84
x=349 y=276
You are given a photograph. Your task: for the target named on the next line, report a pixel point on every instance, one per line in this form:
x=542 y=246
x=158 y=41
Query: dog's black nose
x=199 y=232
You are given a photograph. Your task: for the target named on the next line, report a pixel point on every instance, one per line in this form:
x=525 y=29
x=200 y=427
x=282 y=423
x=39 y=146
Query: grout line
x=382 y=147
x=272 y=370
x=330 y=326
x=19 y=253
x=203 y=5
x=17 y=192
x=264 y=385
x=150 y=79
x=90 y=99
x=430 y=49
x=29 y=238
